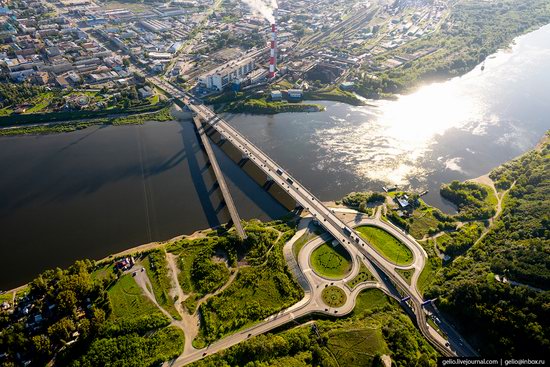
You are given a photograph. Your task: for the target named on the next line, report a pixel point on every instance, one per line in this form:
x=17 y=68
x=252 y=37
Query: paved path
x=310 y=303
x=189 y=322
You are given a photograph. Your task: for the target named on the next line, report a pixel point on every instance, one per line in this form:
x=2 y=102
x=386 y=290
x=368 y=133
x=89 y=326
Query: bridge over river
x=326 y=218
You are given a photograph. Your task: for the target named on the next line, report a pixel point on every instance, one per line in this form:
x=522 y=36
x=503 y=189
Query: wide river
x=90 y=193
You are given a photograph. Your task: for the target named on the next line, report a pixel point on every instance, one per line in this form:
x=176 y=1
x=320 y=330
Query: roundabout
x=334 y=296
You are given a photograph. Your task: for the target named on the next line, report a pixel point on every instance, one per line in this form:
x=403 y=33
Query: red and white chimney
x=273 y=52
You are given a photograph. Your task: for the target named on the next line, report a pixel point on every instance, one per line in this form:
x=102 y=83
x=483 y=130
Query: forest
x=498 y=291
x=474 y=202
x=474 y=30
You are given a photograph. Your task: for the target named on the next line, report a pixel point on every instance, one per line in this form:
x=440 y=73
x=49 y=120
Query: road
x=311 y=303
x=325 y=216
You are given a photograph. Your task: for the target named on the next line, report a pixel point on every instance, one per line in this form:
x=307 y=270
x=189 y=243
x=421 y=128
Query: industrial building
x=223 y=75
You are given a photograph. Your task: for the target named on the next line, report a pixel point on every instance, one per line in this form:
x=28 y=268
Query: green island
x=260 y=102
x=388 y=246
x=364 y=275
x=334 y=296
x=162 y=114
x=262 y=106
x=405 y=274
x=331 y=261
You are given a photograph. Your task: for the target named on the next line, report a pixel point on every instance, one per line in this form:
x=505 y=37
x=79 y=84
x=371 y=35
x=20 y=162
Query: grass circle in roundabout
x=334 y=296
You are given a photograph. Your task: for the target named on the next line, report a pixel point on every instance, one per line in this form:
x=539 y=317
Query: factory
x=222 y=76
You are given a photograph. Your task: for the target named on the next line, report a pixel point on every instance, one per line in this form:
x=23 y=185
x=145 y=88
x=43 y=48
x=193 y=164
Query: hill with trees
x=498 y=291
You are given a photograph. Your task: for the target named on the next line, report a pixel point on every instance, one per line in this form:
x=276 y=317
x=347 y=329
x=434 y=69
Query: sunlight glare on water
x=394 y=135
x=389 y=141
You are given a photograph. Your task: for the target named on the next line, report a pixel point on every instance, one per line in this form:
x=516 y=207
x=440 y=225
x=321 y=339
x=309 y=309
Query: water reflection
x=391 y=141
x=457 y=129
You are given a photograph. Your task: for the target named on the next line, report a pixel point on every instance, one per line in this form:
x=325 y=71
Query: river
x=97 y=191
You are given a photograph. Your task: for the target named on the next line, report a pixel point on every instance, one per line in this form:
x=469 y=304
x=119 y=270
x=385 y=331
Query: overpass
x=325 y=217
x=227 y=198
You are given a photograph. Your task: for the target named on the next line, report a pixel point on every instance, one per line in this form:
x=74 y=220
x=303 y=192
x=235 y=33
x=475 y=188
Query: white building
x=220 y=77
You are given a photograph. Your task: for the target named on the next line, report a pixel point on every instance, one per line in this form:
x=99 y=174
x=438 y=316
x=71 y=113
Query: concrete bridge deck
x=340 y=230
x=228 y=199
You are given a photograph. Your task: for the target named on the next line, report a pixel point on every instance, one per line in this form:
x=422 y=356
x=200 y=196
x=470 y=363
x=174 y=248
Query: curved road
x=353 y=243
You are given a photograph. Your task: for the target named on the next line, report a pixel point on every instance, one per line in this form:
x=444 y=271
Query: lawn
x=40 y=103
x=491 y=198
x=364 y=275
x=405 y=274
x=330 y=261
x=334 y=296
x=6 y=297
x=389 y=246
x=104 y=271
x=128 y=300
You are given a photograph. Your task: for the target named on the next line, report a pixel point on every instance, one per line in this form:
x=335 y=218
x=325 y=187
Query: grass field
x=389 y=246
x=157 y=270
x=103 y=271
x=427 y=276
x=491 y=198
x=405 y=274
x=422 y=220
x=334 y=296
x=329 y=261
x=356 y=347
x=40 y=103
x=364 y=275
x=6 y=297
x=128 y=300
x=369 y=299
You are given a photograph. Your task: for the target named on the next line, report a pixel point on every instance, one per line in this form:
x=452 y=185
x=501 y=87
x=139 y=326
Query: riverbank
x=476 y=31
x=160 y=115
x=260 y=102
x=264 y=107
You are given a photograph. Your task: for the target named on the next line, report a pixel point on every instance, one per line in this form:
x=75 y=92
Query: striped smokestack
x=273 y=51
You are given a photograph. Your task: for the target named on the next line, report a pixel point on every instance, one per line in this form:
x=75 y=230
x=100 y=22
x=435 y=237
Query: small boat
x=482 y=67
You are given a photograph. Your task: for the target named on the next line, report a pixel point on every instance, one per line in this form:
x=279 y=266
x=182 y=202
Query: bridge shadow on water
x=192 y=147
